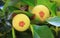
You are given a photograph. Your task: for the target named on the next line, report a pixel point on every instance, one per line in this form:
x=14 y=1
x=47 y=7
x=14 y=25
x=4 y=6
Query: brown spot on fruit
x=21 y=23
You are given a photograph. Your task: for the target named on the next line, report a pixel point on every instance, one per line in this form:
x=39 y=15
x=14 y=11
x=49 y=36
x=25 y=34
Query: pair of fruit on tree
x=21 y=22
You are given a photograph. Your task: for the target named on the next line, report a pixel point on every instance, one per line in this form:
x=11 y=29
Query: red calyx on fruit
x=21 y=23
x=41 y=14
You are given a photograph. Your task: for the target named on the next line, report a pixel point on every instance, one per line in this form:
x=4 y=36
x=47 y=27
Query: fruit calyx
x=21 y=23
x=41 y=13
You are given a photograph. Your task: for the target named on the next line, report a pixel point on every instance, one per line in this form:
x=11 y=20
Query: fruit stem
x=56 y=31
x=13 y=33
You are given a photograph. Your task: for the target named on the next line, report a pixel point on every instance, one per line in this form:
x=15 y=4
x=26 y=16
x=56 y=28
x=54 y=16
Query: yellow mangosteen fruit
x=21 y=22
x=41 y=12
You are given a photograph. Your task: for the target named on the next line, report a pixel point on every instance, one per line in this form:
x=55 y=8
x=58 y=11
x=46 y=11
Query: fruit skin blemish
x=41 y=11
x=21 y=22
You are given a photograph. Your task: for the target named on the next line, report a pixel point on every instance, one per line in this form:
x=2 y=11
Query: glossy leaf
x=29 y=2
x=12 y=8
x=1 y=14
x=5 y=6
x=24 y=12
x=54 y=21
x=41 y=32
x=57 y=1
x=58 y=13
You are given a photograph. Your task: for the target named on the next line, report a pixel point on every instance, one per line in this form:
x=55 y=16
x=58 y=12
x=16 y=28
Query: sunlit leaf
x=54 y=21
x=41 y=32
x=5 y=6
x=29 y=2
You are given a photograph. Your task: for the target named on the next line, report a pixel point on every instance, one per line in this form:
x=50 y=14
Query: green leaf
x=54 y=21
x=58 y=13
x=41 y=32
x=12 y=8
x=1 y=14
x=11 y=2
x=57 y=1
x=5 y=8
x=6 y=5
x=29 y=2
x=50 y=5
x=24 y=12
